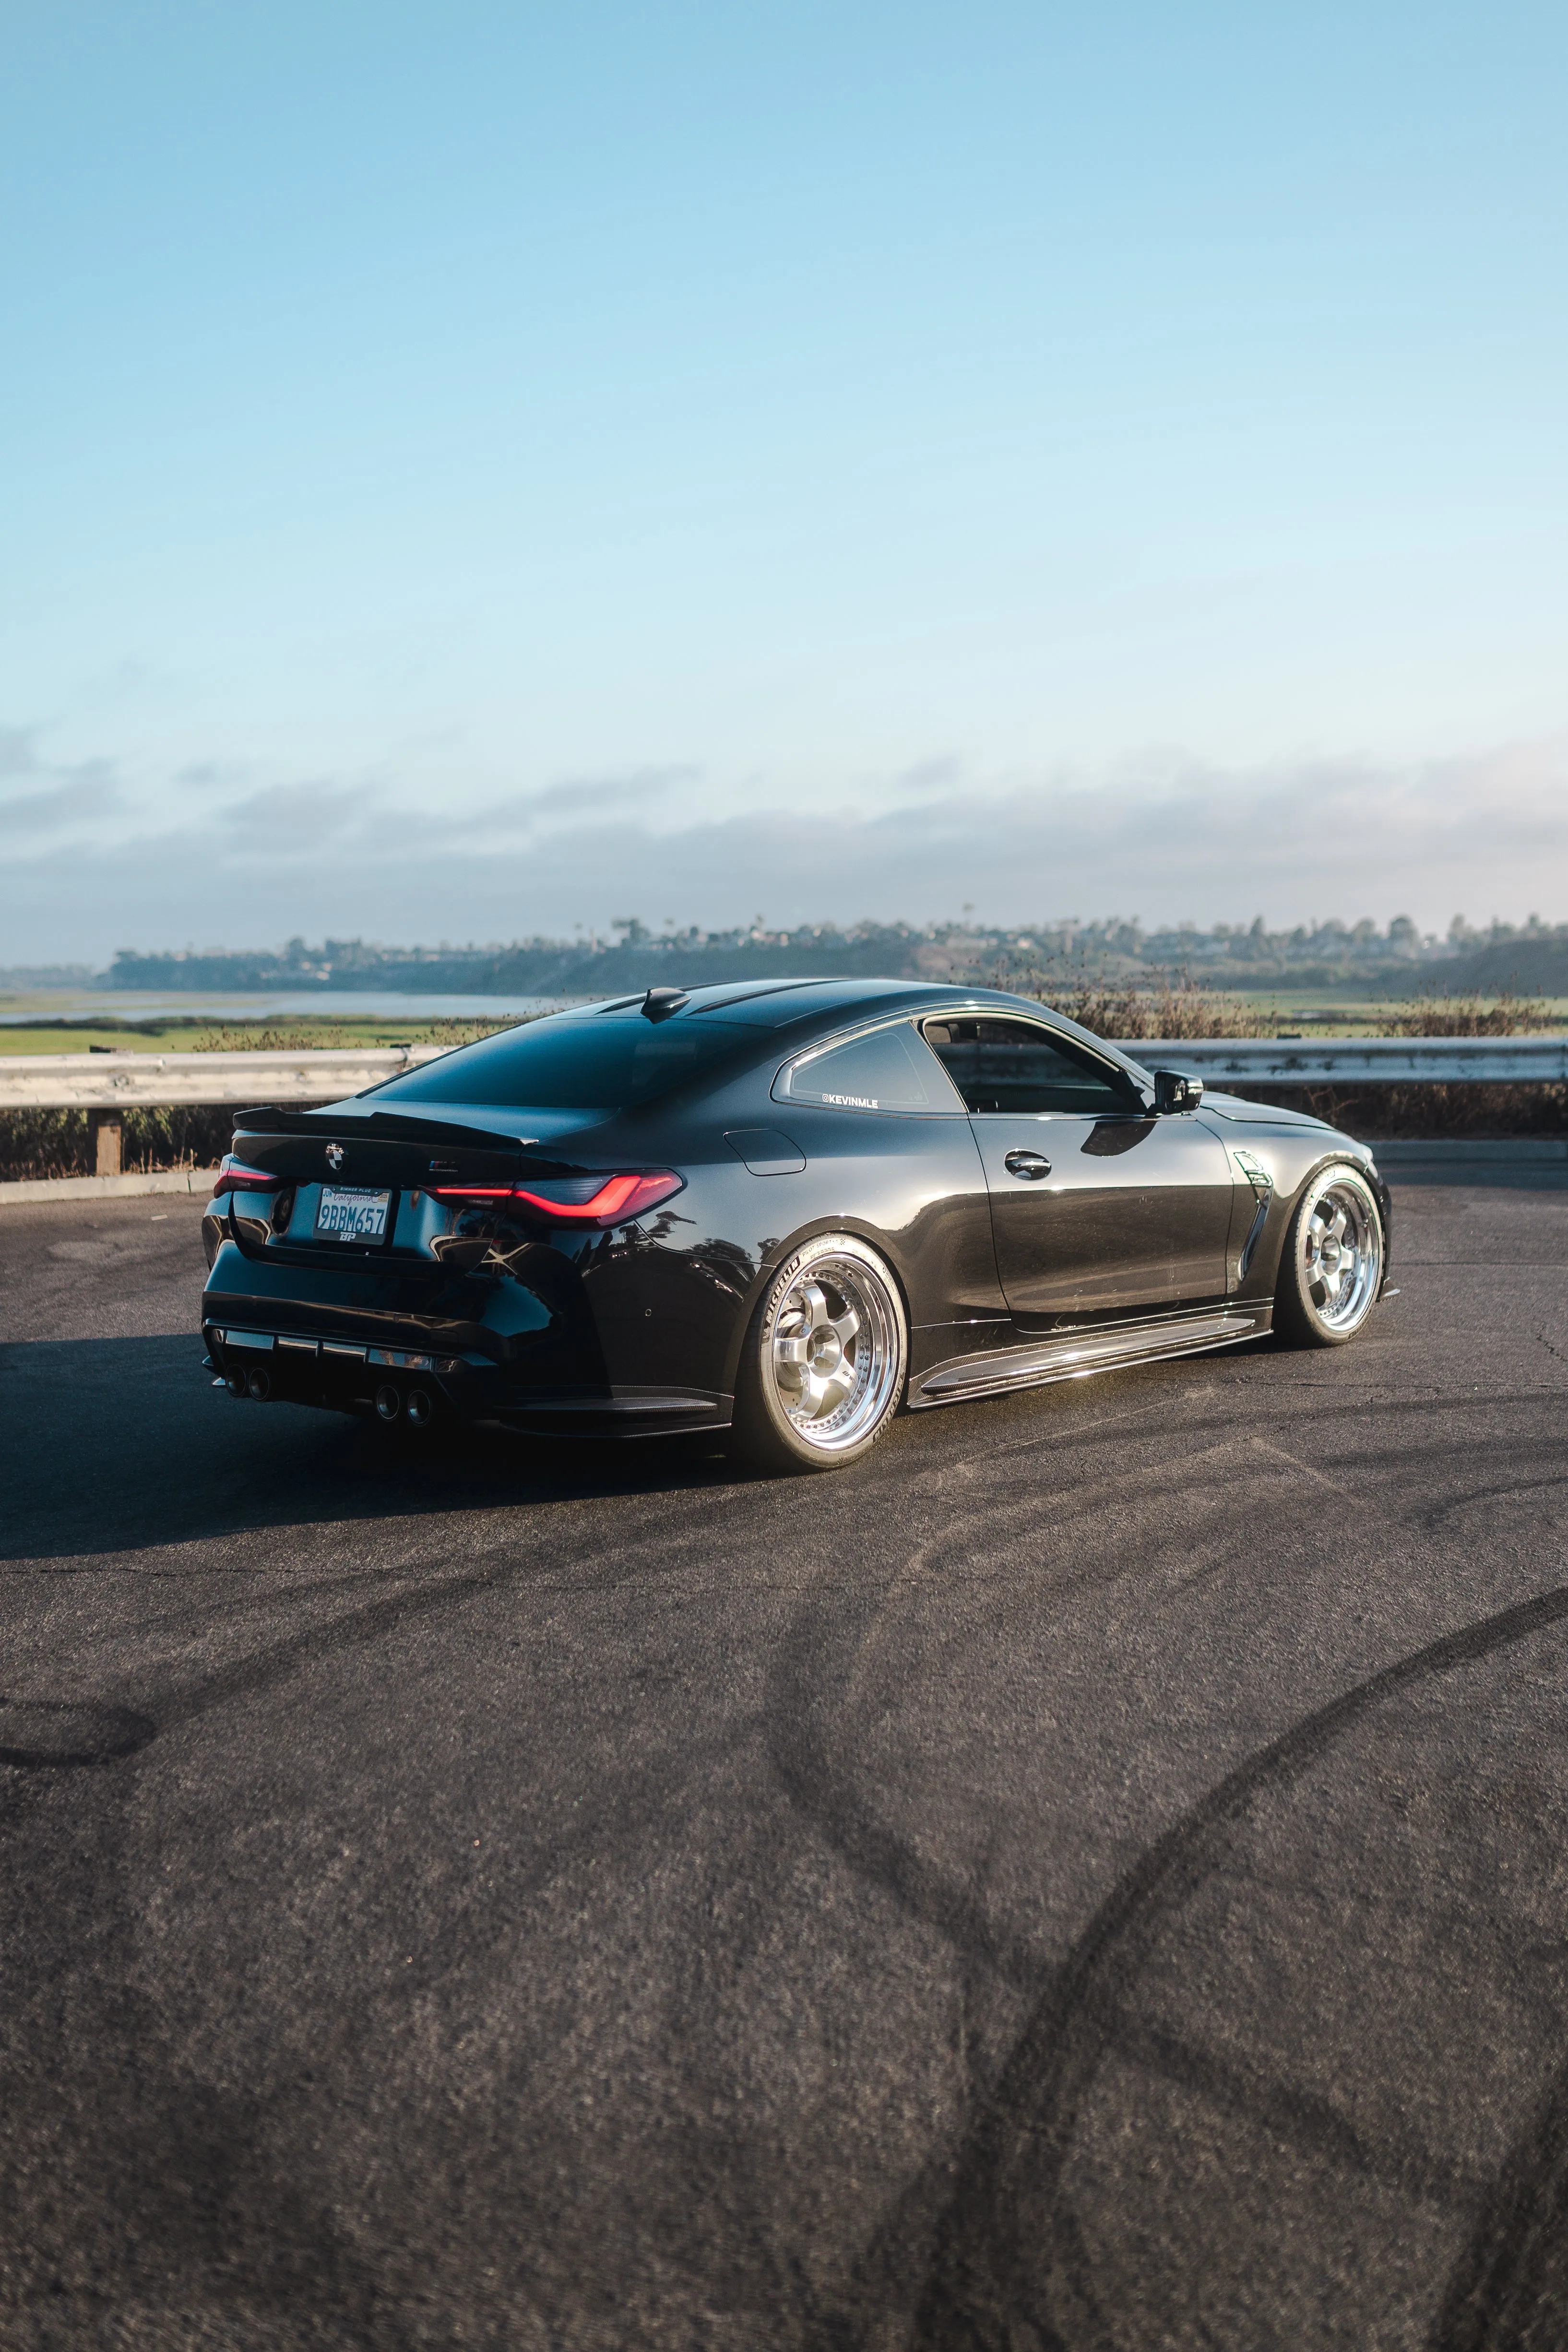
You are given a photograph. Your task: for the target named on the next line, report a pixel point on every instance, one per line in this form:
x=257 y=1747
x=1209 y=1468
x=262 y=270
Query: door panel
x=1133 y=1217
x=1099 y=1212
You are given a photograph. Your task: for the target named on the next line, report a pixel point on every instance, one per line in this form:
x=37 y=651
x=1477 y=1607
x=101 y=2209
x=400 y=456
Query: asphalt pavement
x=1093 y=1876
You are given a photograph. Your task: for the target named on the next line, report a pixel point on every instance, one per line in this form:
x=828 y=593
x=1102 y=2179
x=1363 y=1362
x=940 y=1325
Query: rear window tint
x=890 y=1069
x=597 y=1063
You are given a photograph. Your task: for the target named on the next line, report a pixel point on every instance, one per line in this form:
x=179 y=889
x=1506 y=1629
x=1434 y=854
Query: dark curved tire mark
x=1509 y=2291
x=828 y=1799
x=1005 y=2265
x=45 y=1733
x=1471 y=1496
x=51 y=1733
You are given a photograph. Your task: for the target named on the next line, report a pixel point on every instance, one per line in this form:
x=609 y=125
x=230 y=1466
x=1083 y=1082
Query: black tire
x=809 y=1393
x=1330 y=1270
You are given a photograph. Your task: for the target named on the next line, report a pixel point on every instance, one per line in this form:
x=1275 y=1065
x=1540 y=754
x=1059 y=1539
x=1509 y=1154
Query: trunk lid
x=386 y=1148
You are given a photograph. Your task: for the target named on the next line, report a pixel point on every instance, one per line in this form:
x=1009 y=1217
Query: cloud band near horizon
x=91 y=864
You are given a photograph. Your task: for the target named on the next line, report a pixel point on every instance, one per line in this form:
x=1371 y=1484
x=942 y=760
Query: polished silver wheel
x=825 y=1360
x=1334 y=1259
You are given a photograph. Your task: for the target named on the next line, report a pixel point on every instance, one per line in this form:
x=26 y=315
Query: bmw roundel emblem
x=334 y=1157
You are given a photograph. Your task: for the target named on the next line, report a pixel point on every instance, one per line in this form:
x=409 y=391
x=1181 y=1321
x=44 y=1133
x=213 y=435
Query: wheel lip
x=1341 y=1323
x=873 y=1400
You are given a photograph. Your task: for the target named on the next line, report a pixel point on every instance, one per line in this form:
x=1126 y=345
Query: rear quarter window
x=888 y=1070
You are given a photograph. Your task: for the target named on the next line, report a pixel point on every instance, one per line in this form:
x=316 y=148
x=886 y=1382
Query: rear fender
x=780 y=1257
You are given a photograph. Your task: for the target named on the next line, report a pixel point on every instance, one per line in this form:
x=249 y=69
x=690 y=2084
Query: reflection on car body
x=783 y=1211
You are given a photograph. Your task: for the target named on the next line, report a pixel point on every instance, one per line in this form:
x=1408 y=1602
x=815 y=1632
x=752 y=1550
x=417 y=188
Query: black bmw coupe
x=782 y=1210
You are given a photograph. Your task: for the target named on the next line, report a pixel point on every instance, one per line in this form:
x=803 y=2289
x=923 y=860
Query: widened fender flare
x=862 y=1229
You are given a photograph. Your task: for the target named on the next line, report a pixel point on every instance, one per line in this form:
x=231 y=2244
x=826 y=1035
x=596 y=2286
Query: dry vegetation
x=321 y=1036
x=1178 y=1007
x=55 y=1142
x=35 y=1143
x=41 y=1143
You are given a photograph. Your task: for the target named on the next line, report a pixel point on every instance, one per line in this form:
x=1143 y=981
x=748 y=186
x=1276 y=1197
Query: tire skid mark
x=275 y=1663
x=935 y=1897
x=805 y=1750
x=820 y=1788
x=986 y=2290
x=1508 y=2290
x=1474 y=1494
x=1304 y=2117
x=278 y=1662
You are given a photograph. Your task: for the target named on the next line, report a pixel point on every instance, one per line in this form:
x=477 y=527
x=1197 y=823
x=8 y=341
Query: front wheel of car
x=822 y=1369
x=1332 y=1269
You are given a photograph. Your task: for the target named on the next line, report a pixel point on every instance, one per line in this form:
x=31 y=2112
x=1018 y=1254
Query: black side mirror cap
x=1173 y=1090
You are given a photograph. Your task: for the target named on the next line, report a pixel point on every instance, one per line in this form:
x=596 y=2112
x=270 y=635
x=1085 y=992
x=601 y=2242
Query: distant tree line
x=1532 y=957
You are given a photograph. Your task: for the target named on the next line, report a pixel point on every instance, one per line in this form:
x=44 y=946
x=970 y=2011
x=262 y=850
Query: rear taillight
x=598 y=1200
x=233 y=1176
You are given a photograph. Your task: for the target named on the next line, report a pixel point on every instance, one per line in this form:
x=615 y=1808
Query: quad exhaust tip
x=415 y=1408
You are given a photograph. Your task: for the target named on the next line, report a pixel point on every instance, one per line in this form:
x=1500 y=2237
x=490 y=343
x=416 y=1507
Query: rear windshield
x=598 y=1064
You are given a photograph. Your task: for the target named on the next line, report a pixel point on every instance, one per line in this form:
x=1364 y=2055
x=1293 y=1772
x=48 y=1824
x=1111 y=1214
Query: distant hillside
x=1522 y=966
x=18 y=977
x=1396 y=962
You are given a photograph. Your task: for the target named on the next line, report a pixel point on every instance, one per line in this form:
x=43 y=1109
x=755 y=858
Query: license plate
x=347 y=1212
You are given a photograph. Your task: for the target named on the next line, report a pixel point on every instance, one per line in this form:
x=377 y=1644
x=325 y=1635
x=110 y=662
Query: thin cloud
x=577 y=796
x=78 y=801
x=62 y=795
x=18 y=755
x=1164 y=840
x=211 y=775
x=289 y=819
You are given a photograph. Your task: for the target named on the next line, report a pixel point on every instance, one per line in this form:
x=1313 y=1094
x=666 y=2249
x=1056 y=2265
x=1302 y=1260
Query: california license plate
x=347 y=1212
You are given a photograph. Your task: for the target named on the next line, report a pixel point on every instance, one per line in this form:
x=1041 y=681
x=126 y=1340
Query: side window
x=1011 y=1065
x=890 y=1069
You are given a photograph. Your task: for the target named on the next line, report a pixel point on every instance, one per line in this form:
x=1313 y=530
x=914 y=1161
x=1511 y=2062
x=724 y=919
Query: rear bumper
x=287 y=1367
x=477 y=1346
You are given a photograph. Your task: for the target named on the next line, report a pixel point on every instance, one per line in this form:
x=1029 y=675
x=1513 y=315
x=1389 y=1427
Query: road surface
x=1094 y=1876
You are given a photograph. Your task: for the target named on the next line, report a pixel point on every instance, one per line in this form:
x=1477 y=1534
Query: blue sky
x=477 y=469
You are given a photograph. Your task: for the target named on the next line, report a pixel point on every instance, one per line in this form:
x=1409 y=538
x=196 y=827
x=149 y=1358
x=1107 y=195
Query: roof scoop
x=660 y=1002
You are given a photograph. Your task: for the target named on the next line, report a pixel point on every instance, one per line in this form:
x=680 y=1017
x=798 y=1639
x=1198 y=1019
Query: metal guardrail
x=1358 y=1061
x=112 y=1082
x=116 y=1081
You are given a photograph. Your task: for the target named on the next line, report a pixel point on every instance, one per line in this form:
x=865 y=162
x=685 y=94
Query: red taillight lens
x=618 y=1198
x=233 y=1176
x=576 y=1200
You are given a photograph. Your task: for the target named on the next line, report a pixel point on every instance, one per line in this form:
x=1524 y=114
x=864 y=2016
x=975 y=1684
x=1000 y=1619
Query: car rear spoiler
x=385 y=1126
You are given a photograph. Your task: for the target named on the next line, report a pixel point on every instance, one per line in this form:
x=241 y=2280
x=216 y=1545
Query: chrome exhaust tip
x=258 y=1385
x=388 y=1403
x=419 y=1409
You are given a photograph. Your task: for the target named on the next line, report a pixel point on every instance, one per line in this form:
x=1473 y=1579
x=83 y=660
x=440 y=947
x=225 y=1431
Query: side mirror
x=1173 y=1090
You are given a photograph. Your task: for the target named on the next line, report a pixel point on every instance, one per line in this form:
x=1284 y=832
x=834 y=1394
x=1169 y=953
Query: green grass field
x=1314 y=1012
x=186 y=1033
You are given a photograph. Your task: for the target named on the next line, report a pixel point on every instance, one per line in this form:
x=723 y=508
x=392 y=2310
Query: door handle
x=1030 y=1165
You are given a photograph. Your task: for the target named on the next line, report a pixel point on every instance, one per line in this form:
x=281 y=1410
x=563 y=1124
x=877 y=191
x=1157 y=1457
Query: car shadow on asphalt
x=123 y=1445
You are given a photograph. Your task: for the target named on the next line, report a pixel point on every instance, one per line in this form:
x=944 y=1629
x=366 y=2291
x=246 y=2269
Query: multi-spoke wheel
x=1332 y=1269
x=822 y=1369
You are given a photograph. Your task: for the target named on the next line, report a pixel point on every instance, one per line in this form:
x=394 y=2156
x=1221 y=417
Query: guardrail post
x=104 y=1134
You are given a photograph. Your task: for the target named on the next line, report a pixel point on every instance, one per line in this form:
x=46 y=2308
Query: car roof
x=817 y=1006
x=780 y=1003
